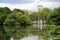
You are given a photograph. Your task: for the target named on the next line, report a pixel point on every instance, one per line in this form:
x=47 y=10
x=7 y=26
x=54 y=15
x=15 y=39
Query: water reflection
x=39 y=23
x=30 y=37
x=29 y=32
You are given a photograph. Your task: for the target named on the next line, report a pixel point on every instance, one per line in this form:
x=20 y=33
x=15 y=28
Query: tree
x=34 y=16
x=7 y=10
x=1 y=10
x=18 y=10
x=2 y=18
x=43 y=13
x=22 y=18
x=3 y=34
x=15 y=22
x=55 y=17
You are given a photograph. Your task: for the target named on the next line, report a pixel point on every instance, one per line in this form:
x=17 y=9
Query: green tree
x=22 y=18
x=3 y=34
x=1 y=10
x=43 y=13
x=18 y=10
x=55 y=16
x=7 y=10
x=34 y=16
x=14 y=24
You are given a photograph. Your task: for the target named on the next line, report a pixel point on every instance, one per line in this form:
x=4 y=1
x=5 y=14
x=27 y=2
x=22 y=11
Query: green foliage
x=18 y=10
x=43 y=13
x=56 y=33
x=1 y=10
x=13 y=22
x=22 y=18
x=54 y=17
x=3 y=34
x=5 y=10
x=34 y=16
x=2 y=18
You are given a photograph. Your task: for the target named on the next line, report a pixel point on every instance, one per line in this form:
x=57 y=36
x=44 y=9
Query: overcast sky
x=29 y=4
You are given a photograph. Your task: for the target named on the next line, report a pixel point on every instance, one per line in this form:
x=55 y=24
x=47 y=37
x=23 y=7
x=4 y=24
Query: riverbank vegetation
x=17 y=23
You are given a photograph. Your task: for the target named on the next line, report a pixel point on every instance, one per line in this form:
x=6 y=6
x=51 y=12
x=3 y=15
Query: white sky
x=32 y=5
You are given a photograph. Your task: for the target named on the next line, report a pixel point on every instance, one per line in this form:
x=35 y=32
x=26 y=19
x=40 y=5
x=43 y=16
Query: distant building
x=39 y=7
